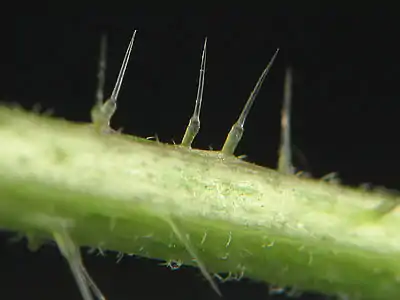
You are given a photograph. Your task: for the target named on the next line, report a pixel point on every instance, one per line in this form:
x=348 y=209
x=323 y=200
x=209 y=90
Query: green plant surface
x=201 y=208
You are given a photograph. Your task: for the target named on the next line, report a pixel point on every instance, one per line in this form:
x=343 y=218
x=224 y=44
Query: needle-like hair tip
x=102 y=112
x=194 y=123
x=236 y=132
x=121 y=74
x=254 y=93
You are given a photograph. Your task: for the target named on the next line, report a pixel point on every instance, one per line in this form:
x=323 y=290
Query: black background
x=345 y=108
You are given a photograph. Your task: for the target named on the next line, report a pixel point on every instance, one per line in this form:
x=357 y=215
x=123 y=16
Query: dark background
x=345 y=108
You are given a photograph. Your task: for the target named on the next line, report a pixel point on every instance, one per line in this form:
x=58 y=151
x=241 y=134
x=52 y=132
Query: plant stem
x=121 y=193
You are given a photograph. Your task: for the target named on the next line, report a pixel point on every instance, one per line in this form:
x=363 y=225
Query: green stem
x=121 y=193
